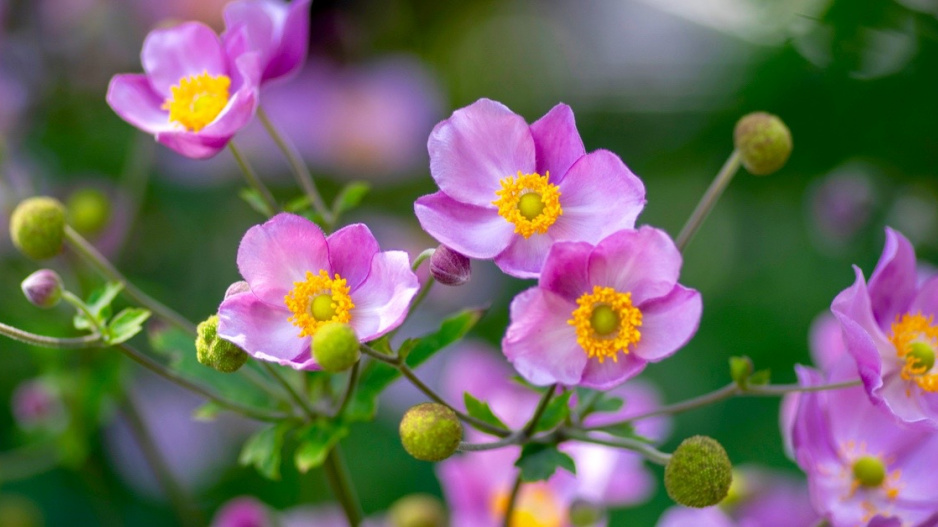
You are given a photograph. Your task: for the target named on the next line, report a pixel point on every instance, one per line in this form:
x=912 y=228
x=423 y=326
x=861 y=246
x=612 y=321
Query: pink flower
x=193 y=96
x=509 y=190
x=600 y=313
x=300 y=280
x=276 y=30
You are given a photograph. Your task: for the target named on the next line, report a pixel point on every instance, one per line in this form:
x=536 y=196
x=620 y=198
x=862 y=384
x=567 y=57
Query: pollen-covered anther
x=197 y=100
x=530 y=202
x=915 y=338
x=318 y=301
x=606 y=322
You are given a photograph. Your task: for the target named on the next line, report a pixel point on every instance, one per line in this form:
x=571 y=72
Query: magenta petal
x=261 y=330
x=926 y=302
x=172 y=54
x=644 y=262
x=240 y=108
x=862 y=336
x=557 y=142
x=476 y=232
x=382 y=300
x=539 y=342
x=294 y=41
x=892 y=284
x=668 y=323
x=609 y=373
x=351 y=249
x=191 y=144
x=475 y=148
x=565 y=271
x=524 y=257
x=274 y=255
x=132 y=98
x=279 y=31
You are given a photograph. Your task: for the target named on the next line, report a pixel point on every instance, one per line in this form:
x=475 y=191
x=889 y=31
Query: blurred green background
x=659 y=82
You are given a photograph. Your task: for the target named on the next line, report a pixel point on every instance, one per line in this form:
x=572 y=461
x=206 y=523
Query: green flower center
x=869 y=471
x=604 y=320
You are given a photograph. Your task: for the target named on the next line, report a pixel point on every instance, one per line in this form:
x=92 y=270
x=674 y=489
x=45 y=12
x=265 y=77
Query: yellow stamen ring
x=197 y=100
x=530 y=202
x=915 y=338
x=318 y=301
x=606 y=322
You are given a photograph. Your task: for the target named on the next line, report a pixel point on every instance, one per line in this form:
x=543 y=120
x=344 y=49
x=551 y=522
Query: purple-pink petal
x=557 y=143
x=861 y=333
x=477 y=147
x=351 y=250
x=274 y=255
x=668 y=323
x=132 y=98
x=926 y=302
x=382 y=299
x=892 y=284
x=565 y=270
x=278 y=30
x=477 y=232
x=262 y=330
x=609 y=373
x=524 y=257
x=643 y=262
x=172 y=54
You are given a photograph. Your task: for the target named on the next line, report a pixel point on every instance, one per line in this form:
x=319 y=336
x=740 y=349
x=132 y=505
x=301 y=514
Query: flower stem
x=783 y=389
x=270 y=204
x=291 y=391
x=340 y=482
x=539 y=411
x=512 y=499
x=99 y=262
x=422 y=257
x=299 y=168
x=88 y=341
x=709 y=199
x=349 y=389
x=651 y=453
x=80 y=306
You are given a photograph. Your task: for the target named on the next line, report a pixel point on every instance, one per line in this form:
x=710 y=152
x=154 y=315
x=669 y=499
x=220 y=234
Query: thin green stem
x=650 y=452
x=512 y=500
x=99 y=262
x=88 y=341
x=422 y=257
x=298 y=167
x=270 y=204
x=291 y=391
x=538 y=411
x=709 y=199
x=341 y=484
x=80 y=305
x=775 y=390
x=349 y=389
x=513 y=439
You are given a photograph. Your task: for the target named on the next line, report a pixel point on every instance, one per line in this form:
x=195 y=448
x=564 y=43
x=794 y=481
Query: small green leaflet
x=481 y=411
x=539 y=462
x=263 y=450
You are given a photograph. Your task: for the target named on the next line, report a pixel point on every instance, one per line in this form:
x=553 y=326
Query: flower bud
x=763 y=142
x=430 y=432
x=37 y=227
x=449 y=267
x=43 y=288
x=216 y=352
x=335 y=347
x=417 y=510
x=88 y=210
x=699 y=473
x=37 y=405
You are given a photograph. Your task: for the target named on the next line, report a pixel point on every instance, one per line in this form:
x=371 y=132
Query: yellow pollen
x=530 y=202
x=915 y=338
x=197 y=100
x=536 y=507
x=606 y=322
x=318 y=301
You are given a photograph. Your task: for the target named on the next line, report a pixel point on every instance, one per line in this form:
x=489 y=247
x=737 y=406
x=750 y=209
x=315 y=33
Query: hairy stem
x=709 y=199
x=88 y=341
x=270 y=204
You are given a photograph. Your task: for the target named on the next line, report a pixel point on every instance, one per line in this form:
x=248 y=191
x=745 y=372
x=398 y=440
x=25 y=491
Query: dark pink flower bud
x=43 y=288
x=449 y=267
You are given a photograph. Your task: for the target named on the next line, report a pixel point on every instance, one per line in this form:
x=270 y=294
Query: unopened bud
x=336 y=347
x=449 y=267
x=430 y=432
x=43 y=288
x=37 y=227
x=88 y=210
x=699 y=473
x=417 y=510
x=763 y=142
x=216 y=352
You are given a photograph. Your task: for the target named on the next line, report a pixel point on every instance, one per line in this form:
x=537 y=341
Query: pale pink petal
x=132 y=98
x=644 y=263
x=381 y=301
x=926 y=302
x=609 y=373
x=477 y=232
x=524 y=257
x=351 y=249
x=668 y=323
x=172 y=54
x=557 y=142
x=262 y=330
x=892 y=284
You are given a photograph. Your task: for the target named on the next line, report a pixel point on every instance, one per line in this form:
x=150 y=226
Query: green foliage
x=253 y=198
x=481 y=411
x=125 y=325
x=557 y=411
x=316 y=440
x=349 y=197
x=263 y=450
x=538 y=462
x=99 y=306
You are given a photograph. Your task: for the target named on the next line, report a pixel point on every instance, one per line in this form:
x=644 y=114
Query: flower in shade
x=276 y=30
x=859 y=461
x=301 y=280
x=509 y=190
x=243 y=511
x=889 y=329
x=600 y=313
x=194 y=96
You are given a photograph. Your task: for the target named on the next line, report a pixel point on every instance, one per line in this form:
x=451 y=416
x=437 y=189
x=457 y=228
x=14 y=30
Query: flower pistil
x=915 y=338
x=606 y=322
x=197 y=100
x=530 y=202
x=318 y=301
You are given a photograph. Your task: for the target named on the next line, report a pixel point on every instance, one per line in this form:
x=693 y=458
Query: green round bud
x=699 y=473
x=586 y=514
x=37 y=227
x=88 y=210
x=336 y=347
x=869 y=471
x=430 y=432
x=216 y=352
x=417 y=510
x=763 y=142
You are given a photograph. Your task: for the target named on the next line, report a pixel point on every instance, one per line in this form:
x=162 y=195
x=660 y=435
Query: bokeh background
x=659 y=82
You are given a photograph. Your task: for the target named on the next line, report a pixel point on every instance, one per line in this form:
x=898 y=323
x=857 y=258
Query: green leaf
x=538 y=462
x=207 y=412
x=740 y=370
x=256 y=202
x=263 y=450
x=99 y=305
x=315 y=443
x=760 y=378
x=297 y=205
x=481 y=411
x=557 y=411
x=350 y=197
x=451 y=330
x=126 y=324
x=607 y=404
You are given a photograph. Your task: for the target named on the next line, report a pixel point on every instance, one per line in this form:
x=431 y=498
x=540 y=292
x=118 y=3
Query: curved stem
x=80 y=306
x=775 y=390
x=651 y=453
x=512 y=499
x=270 y=203
x=349 y=389
x=99 y=262
x=88 y=341
x=513 y=439
x=291 y=391
x=340 y=482
x=539 y=411
x=422 y=257
x=709 y=199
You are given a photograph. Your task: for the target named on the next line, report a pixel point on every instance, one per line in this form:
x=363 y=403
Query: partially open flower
x=276 y=30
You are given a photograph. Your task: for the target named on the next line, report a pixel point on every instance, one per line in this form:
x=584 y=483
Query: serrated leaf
x=255 y=201
x=126 y=324
x=539 y=462
x=315 y=443
x=99 y=305
x=557 y=411
x=207 y=412
x=481 y=410
x=263 y=450
x=350 y=197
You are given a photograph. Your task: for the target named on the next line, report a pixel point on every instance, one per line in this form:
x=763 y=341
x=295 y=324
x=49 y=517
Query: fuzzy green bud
x=763 y=142
x=417 y=510
x=88 y=210
x=699 y=473
x=430 y=432
x=37 y=227
x=43 y=288
x=336 y=347
x=216 y=352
